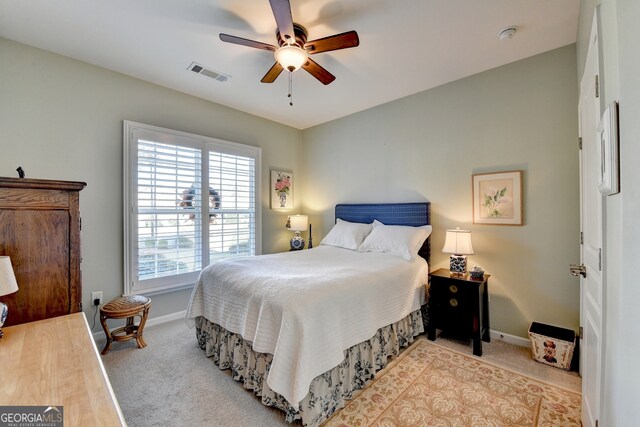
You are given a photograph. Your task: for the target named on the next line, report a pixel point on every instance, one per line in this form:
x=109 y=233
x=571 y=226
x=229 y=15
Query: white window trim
x=130 y=193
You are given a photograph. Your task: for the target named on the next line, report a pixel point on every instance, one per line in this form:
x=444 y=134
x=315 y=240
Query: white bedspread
x=307 y=307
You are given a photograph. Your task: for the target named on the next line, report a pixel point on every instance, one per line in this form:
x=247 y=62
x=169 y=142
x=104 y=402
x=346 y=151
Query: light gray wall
x=427 y=146
x=62 y=119
x=619 y=35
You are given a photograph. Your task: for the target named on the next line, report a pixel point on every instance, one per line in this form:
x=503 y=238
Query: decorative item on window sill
x=297 y=223
x=8 y=285
x=458 y=244
x=476 y=272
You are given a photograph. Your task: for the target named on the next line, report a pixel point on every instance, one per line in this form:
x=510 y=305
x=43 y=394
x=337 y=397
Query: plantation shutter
x=189 y=201
x=169 y=219
x=232 y=226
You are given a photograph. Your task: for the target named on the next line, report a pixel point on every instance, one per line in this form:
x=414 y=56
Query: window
x=189 y=201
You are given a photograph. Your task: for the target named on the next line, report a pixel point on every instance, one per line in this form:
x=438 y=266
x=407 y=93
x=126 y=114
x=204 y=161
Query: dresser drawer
x=451 y=292
x=453 y=320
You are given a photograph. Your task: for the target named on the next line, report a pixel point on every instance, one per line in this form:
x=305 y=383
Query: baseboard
x=166 y=318
x=495 y=335
x=98 y=337
x=510 y=339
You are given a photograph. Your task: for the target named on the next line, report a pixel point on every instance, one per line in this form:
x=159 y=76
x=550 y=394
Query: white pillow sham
x=348 y=235
x=399 y=240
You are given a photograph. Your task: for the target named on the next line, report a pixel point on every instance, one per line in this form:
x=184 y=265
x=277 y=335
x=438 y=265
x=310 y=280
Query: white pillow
x=347 y=234
x=399 y=240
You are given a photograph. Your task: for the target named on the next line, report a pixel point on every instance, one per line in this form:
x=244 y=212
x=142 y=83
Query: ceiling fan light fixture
x=291 y=57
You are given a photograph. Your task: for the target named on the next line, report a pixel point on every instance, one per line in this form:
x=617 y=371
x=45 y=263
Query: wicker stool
x=129 y=307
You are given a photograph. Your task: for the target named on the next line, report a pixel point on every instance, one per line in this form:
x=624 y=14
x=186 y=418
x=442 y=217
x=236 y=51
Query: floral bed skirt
x=328 y=391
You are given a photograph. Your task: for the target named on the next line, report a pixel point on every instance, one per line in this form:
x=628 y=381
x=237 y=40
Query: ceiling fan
x=293 y=48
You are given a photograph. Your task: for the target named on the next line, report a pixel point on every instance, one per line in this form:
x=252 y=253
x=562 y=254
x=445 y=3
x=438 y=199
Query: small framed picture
x=281 y=189
x=609 y=159
x=497 y=198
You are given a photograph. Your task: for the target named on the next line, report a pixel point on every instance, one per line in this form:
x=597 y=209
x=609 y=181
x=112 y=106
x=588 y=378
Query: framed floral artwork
x=497 y=198
x=281 y=189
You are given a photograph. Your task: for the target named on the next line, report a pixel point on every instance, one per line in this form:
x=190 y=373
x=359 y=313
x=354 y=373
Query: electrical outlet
x=96 y=296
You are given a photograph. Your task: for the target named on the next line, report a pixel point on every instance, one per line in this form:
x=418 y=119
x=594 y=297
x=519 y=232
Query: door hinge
x=580 y=331
x=80 y=223
x=578 y=270
x=596 y=423
x=599 y=259
x=581 y=238
x=580 y=143
x=80 y=306
x=597 y=87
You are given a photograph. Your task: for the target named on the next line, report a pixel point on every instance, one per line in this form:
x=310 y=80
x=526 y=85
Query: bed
x=306 y=329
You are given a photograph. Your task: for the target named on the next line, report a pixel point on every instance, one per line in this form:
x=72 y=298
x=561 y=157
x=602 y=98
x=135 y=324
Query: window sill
x=159 y=290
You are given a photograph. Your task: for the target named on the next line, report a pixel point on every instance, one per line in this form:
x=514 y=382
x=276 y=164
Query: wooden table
x=54 y=362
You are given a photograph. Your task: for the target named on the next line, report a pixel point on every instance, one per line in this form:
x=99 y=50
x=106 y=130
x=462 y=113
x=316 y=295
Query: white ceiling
x=406 y=46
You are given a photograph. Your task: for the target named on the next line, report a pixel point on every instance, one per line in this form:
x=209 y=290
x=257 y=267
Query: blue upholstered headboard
x=411 y=214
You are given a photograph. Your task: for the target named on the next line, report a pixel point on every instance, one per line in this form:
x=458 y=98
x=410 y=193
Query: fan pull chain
x=290 y=96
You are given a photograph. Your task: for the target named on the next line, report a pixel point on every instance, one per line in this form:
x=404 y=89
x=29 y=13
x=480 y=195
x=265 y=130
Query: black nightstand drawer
x=450 y=312
x=458 y=305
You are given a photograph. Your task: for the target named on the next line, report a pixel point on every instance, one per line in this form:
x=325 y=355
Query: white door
x=591 y=286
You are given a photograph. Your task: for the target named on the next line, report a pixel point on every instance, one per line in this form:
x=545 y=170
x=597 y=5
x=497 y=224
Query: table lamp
x=297 y=223
x=458 y=244
x=8 y=285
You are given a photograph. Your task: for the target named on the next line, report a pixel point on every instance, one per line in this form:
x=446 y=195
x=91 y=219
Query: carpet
x=430 y=385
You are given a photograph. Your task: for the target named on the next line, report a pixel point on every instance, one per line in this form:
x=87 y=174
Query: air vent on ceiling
x=197 y=68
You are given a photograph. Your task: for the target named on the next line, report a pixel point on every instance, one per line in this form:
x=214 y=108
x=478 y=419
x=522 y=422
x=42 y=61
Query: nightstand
x=459 y=306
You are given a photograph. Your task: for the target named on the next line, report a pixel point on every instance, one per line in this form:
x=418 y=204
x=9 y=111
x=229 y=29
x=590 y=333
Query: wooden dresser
x=40 y=231
x=54 y=362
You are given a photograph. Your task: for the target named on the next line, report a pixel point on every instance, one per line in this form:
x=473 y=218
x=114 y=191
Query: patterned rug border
x=495 y=365
x=408 y=350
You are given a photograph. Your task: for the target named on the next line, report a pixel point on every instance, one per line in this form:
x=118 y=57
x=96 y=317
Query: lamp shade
x=458 y=242
x=8 y=283
x=291 y=57
x=298 y=222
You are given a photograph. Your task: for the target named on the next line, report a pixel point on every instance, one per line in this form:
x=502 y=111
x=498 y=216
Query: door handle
x=578 y=270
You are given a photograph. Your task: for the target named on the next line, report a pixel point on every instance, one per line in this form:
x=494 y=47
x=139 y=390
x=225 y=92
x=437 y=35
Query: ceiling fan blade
x=282 y=12
x=335 y=42
x=272 y=74
x=246 y=42
x=318 y=72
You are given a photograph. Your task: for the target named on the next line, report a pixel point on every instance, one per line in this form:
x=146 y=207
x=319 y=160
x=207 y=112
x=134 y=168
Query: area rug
x=429 y=385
